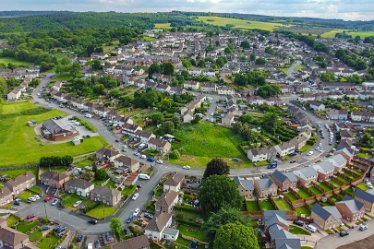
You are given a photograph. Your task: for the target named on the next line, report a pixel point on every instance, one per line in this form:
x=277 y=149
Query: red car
x=30 y=216
x=47 y=199
x=117 y=140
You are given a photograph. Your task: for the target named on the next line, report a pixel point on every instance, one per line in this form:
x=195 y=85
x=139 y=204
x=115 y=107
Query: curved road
x=79 y=223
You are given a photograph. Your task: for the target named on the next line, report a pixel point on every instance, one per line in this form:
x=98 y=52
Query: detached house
x=367 y=198
x=80 y=187
x=258 y=155
x=126 y=162
x=306 y=176
x=246 y=187
x=265 y=187
x=174 y=183
x=159 y=228
x=108 y=196
x=325 y=170
x=166 y=202
x=326 y=217
x=106 y=153
x=54 y=179
x=284 y=181
x=350 y=209
x=160 y=145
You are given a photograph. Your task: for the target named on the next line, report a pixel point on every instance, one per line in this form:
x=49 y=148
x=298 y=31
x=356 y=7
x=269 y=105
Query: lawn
x=101 y=211
x=324 y=186
x=303 y=210
x=49 y=242
x=128 y=191
x=185 y=244
x=84 y=163
x=303 y=194
x=17 y=63
x=201 y=142
x=315 y=190
x=282 y=204
x=363 y=155
x=343 y=180
x=298 y=230
x=362 y=34
x=12 y=220
x=334 y=183
x=362 y=186
x=162 y=26
x=26 y=194
x=192 y=231
x=291 y=196
x=253 y=206
x=14 y=131
x=240 y=24
x=305 y=148
x=19 y=171
x=266 y=205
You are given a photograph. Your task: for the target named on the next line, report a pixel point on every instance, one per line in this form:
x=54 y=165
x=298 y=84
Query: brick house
x=350 y=209
x=367 y=198
x=306 y=176
x=21 y=183
x=166 y=202
x=54 y=179
x=246 y=187
x=265 y=187
x=325 y=170
x=326 y=217
x=284 y=181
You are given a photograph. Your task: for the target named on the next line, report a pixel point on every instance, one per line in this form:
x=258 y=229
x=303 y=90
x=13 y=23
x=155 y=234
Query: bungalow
x=246 y=187
x=140 y=242
x=306 y=176
x=21 y=183
x=159 y=228
x=367 y=198
x=166 y=202
x=265 y=188
x=161 y=145
x=106 y=153
x=327 y=217
x=284 y=181
x=57 y=130
x=316 y=106
x=174 y=183
x=350 y=209
x=122 y=161
x=79 y=187
x=54 y=179
x=325 y=170
x=144 y=136
x=108 y=196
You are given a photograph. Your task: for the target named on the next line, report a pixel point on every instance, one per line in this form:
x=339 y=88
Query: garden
x=282 y=204
x=266 y=205
x=101 y=211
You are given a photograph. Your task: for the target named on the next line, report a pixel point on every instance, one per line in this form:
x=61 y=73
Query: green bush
x=174 y=154
x=88 y=126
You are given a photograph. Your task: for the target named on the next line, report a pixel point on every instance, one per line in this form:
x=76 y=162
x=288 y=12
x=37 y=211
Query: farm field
x=19 y=144
x=162 y=26
x=361 y=34
x=17 y=63
x=241 y=24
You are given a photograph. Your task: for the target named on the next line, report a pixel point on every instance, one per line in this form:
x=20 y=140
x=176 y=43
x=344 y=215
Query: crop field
x=241 y=24
x=361 y=34
x=19 y=143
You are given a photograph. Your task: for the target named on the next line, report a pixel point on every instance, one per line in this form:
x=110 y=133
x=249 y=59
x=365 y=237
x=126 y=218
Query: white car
x=77 y=204
x=32 y=198
x=143 y=157
x=186 y=167
x=135 y=196
x=136 y=212
x=159 y=161
x=363 y=227
x=310 y=153
x=54 y=202
x=37 y=197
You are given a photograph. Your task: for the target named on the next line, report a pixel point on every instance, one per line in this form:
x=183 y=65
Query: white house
x=79 y=186
x=174 y=183
x=159 y=228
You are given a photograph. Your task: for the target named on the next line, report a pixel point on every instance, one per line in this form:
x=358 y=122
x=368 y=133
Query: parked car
x=117 y=140
x=93 y=222
x=47 y=199
x=363 y=227
x=150 y=159
x=144 y=176
x=186 y=167
x=135 y=196
x=293 y=161
x=17 y=203
x=343 y=233
x=79 y=238
x=97 y=244
x=148 y=215
x=310 y=153
x=129 y=219
x=136 y=212
x=44 y=228
x=311 y=228
x=159 y=161
x=37 y=197
x=299 y=223
x=30 y=216
x=143 y=157
x=54 y=202
x=32 y=198
x=108 y=237
x=77 y=203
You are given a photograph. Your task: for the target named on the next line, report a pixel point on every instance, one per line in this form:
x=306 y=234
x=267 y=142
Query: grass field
x=324 y=186
x=303 y=210
x=361 y=34
x=315 y=190
x=19 y=144
x=282 y=204
x=362 y=186
x=192 y=231
x=49 y=242
x=17 y=63
x=303 y=193
x=266 y=205
x=199 y=143
x=240 y=24
x=162 y=26
x=101 y=211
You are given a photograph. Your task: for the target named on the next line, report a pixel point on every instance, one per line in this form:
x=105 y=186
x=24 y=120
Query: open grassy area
x=303 y=194
x=282 y=204
x=253 y=206
x=162 y=26
x=199 y=143
x=334 y=183
x=298 y=230
x=291 y=196
x=12 y=220
x=17 y=63
x=192 y=231
x=101 y=211
x=305 y=148
x=49 y=242
x=128 y=191
x=303 y=210
x=26 y=194
x=361 y=34
x=240 y=24
x=266 y=205
x=14 y=132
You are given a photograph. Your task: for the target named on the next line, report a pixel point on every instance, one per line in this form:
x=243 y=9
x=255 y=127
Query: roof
x=338 y=160
x=333 y=211
x=324 y=167
x=282 y=177
x=165 y=201
x=274 y=216
x=140 y=242
x=306 y=173
x=365 y=195
x=20 y=179
x=171 y=231
x=353 y=205
x=53 y=175
x=158 y=222
x=78 y=183
x=174 y=180
x=320 y=211
x=264 y=183
x=108 y=152
x=247 y=184
x=104 y=191
x=12 y=237
x=143 y=133
x=128 y=161
x=56 y=126
x=158 y=142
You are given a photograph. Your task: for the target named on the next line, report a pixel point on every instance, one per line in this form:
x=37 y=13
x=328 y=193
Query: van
x=311 y=228
x=89 y=246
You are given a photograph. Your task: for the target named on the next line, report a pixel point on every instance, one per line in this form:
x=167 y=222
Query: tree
x=156 y=118
x=235 y=236
x=327 y=77
x=154 y=68
x=224 y=216
x=167 y=127
x=101 y=174
x=267 y=90
x=75 y=69
x=260 y=61
x=174 y=154
x=217 y=191
x=116 y=227
x=96 y=65
x=245 y=44
x=216 y=167
x=168 y=68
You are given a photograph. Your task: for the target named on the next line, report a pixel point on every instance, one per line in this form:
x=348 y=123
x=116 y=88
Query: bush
x=174 y=154
x=55 y=161
x=88 y=126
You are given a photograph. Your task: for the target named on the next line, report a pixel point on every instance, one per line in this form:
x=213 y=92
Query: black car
x=299 y=223
x=79 y=238
x=93 y=221
x=293 y=161
x=343 y=233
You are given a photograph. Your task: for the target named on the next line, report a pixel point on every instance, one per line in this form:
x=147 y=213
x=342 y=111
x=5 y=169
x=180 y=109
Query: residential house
x=140 y=242
x=54 y=179
x=15 y=94
x=317 y=106
x=325 y=170
x=122 y=161
x=372 y=174
x=57 y=130
x=258 y=155
x=10 y=238
x=224 y=90
x=130 y=129
x=337 y=114
x=208 y=87
x=21 y=183
x=283 y=239
x=144 y=136
x=166 y=202
x=362 y=116
x=265 y=187
x=161 y=145
x=306 y=176
x=108 y=196
x=284 y=181
x=6 y=196
x=350 y=209
x=327 y=217
x=174 y=182
x=106 y=153
x=79 y=187
x=367 y=198
x=246 y=187
x=338 y=161
x=159 y=228
x=193 y=85
x=57 y=86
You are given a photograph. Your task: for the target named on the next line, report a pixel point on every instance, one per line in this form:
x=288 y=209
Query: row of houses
x=17 y=92
x=187 y=112
x=14 y=187
x=11 y=238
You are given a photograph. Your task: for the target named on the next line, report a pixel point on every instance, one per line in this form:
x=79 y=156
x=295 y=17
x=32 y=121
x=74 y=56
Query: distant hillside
x=5 y=14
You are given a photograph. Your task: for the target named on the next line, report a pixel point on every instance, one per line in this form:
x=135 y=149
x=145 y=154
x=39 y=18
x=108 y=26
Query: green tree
x=168 y=68
x=327 y=77
x=75 y=69
x=216 y=167
x=156 y=118
x=101 y=174
x=235 y=236
x=116 y=227
x=217 y=191
x=260 y=61
x=267 y=90
x=167 y=127
x=154 y=68
x=245 y=44
x=96 y=65
x=224 y=216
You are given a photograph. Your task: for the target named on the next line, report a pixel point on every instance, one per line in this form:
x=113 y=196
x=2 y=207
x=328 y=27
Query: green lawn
x=14 y=132
x=362 y=34
x=302 y=193
x=36 y=189
x=17 y=63
x=185 y=244
x=101 y=211
x=306 y=247
x=303 y=210
x=363 y=155
x=266 y=205
x=324 y=186
x=315 y=190
x=240 y=24
x=49 y=242
x=253 y=206
x=192 y=231
x=343 y=180
x=201 y=142
x=334 y=183
x=305 y=148
x=298 y=230
x=26 y=194
x=162 y=26
x=19 y=171
x=36 y=235
x=26 y=227
x=362 y=186
x=128 y=191
x=282 y=204
x=291 y=196
x=12 y=220
x=84 y=163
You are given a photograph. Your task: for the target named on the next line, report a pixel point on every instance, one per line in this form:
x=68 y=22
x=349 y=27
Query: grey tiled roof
x=365 y=195
x=247 y=184
x=265 y=183
x=306 y=173
x=274 y=216
x=353 y=205
x=282 y=177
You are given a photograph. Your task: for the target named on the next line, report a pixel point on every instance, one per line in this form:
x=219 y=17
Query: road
x=292 y=68
x=80 y=223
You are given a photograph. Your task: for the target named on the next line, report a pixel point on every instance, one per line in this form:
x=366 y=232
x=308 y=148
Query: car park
x=135 y=196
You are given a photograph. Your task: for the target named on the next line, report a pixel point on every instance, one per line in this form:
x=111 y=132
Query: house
x=246 y=187
x=338 y=161
x=166 y=202
x=106 y=153
x=208 y=87
x=54 y=179
x=350 y=209
x=224 y=90
x=108 y=196
x=130 y=129
x=79 y=187
x=316 y=106
x=140 y=242
x=144 y=136
x=57 y=86
x=10 y=238
x=284 y=181
x=15 y=94
x=127 y=162
x=258 y=155
x=161 y=145
x=367 y=198
x=21 y=183
x=325 y=170
x=337 y=114
x=281 y=238
x=174 y=183
x=306 y=176
x=193 y=85
x=159 y=228
x=265 y=188
x=372 y=174
x=327 y=217
x=6 y=196
x=57 y=130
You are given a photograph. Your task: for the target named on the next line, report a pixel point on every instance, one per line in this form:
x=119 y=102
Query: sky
x=331 y=9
